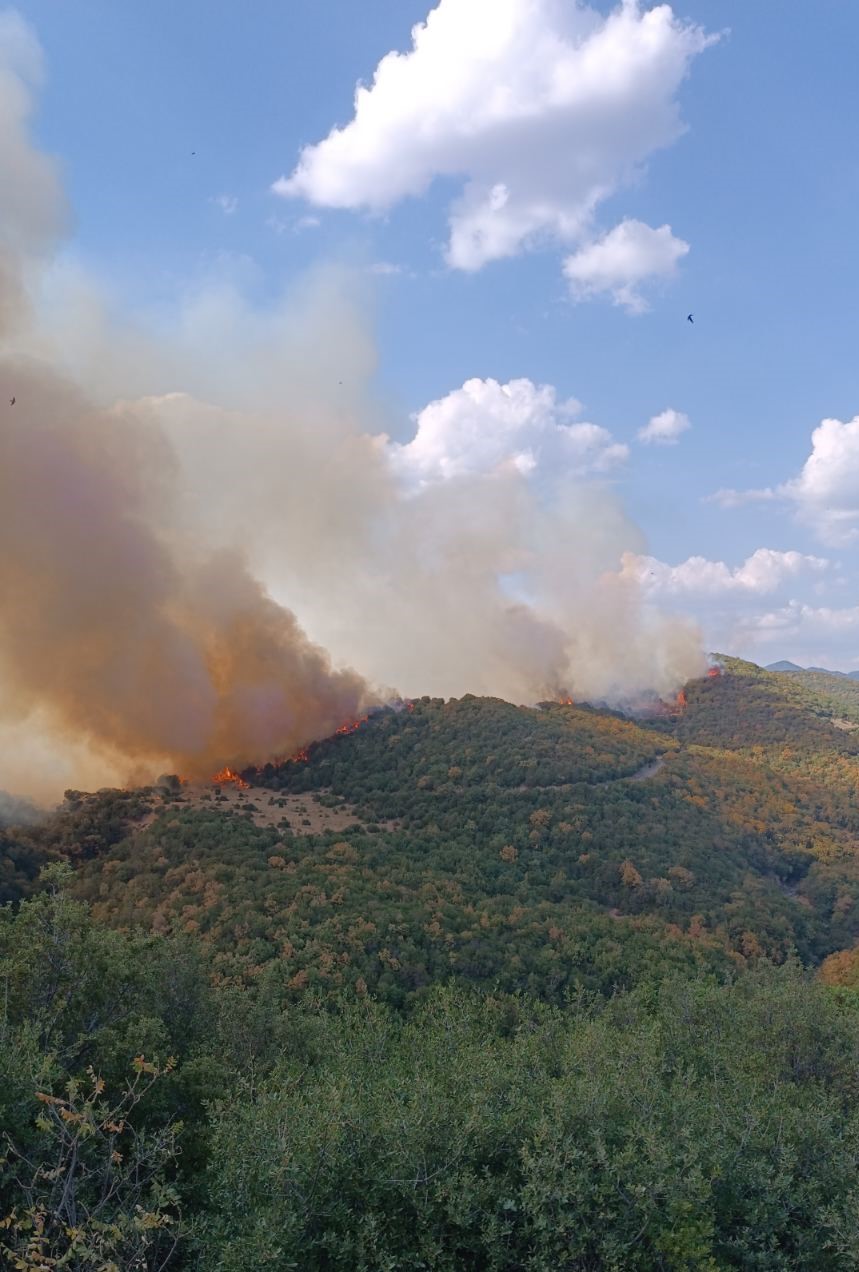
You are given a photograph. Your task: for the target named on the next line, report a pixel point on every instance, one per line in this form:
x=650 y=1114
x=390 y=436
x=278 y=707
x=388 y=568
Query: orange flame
x=714 y=673
x=682 y=700
x=227 y=776
x=301 y=756
x=351 y=726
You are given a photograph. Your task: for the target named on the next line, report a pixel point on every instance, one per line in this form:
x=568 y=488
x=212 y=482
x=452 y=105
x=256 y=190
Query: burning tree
x=228 y=777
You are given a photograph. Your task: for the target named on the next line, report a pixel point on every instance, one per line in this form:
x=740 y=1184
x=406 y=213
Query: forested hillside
x=403 y=1001
x=525 y=849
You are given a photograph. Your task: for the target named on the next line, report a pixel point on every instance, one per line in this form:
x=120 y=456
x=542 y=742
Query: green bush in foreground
x=685 y=1125
x=707 y=1128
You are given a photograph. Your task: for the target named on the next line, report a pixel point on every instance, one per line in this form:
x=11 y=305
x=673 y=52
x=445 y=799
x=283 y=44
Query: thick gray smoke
x=148 y=481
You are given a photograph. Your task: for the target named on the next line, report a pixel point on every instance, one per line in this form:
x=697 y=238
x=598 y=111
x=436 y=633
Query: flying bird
x=12 y=401
x=689 y=318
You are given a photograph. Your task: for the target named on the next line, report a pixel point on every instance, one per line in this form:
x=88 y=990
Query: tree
x=92 y=1190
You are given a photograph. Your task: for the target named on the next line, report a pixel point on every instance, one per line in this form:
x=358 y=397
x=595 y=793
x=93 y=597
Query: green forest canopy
x=543 y=1004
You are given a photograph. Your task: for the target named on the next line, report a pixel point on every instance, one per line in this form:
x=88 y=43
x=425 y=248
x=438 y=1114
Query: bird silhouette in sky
x=689 y=318
x=12 y=401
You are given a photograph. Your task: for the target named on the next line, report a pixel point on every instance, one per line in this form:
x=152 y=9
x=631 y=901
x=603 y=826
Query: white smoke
x=169 y=501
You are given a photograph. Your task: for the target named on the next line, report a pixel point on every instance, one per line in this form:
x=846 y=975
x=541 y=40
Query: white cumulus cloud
x=752 y=609
x=811 y=635
x=542 y=108
x=764 y=572
x=486 y=426
x=664 y=429
x=826 y=491
x=621 y=261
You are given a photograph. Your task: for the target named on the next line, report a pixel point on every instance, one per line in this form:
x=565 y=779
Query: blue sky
x=761 y=185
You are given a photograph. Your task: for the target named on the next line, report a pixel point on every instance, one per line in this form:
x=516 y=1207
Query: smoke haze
x=169 y=501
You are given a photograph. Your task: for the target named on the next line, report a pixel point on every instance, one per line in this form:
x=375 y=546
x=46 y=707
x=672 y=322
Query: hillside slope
x=536 y=849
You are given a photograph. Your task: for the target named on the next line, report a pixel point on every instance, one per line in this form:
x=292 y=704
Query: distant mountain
x=784 y=665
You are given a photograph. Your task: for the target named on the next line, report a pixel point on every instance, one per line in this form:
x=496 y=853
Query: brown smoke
x=152 y=655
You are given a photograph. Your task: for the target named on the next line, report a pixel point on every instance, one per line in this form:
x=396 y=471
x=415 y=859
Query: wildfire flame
x=681 y=700
x=351 y=726
x=227 y=776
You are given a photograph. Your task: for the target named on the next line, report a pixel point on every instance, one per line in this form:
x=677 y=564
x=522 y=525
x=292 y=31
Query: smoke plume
x=150 y=479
